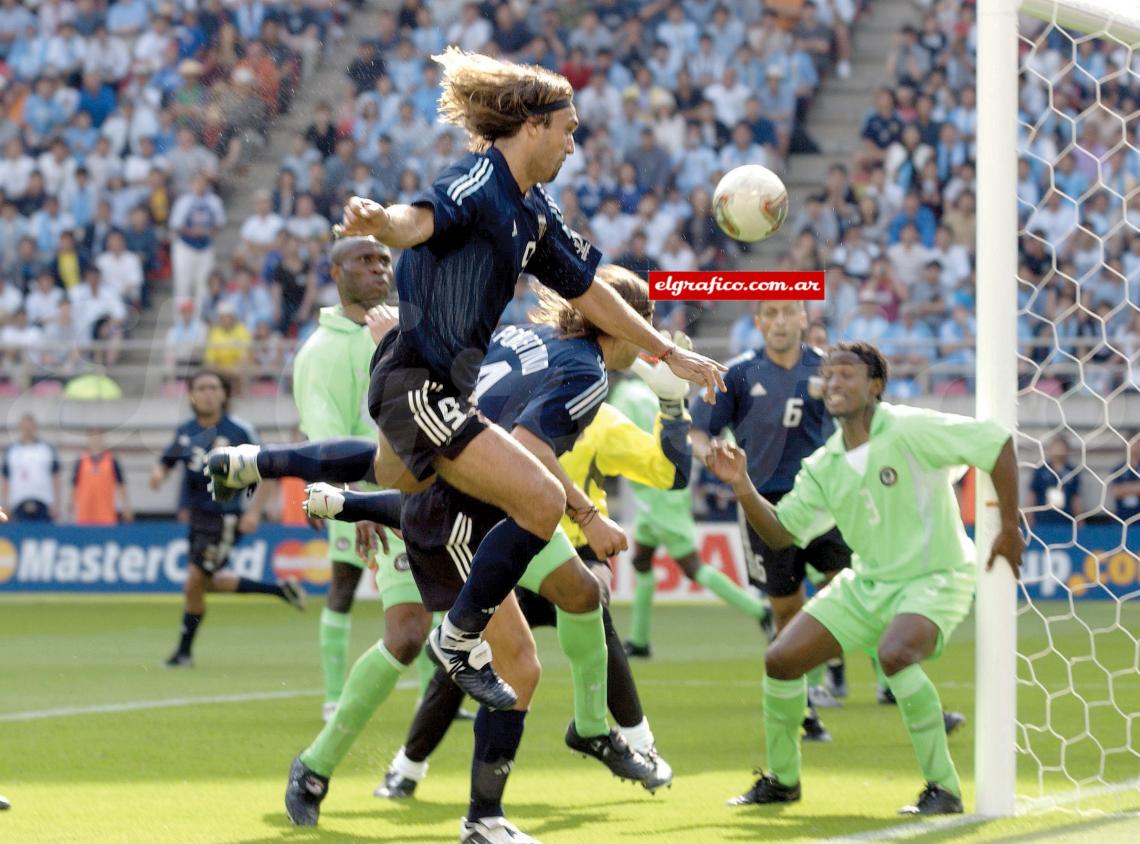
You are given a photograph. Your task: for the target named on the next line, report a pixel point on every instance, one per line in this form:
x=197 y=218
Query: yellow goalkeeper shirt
x=612 y=445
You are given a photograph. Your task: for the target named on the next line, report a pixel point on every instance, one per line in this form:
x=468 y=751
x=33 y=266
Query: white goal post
x=998 y=228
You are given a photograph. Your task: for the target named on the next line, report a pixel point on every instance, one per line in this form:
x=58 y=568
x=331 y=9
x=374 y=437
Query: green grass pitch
x=201 y=755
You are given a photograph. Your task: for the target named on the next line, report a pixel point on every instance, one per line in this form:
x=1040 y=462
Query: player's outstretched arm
x=398 y=226
x=1008 y=544
x=604 y=535
x=729 y=463
x=602 y=306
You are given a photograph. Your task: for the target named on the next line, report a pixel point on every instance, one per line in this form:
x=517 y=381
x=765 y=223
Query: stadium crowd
x=124 y=125
x=129 y=121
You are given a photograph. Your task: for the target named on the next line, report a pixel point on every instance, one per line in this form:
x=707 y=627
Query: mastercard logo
x=307 y=561
x=8 y=560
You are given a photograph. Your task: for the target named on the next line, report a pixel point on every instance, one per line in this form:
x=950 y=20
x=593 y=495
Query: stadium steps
x=834 y=121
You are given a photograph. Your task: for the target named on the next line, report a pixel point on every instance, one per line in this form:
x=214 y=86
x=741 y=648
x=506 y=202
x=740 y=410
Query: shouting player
x=214 y=527
x=885 y=479
x=465 y=241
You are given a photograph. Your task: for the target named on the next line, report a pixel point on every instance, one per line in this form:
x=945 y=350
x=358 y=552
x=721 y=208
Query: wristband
x=664 y=356
x=581 y=516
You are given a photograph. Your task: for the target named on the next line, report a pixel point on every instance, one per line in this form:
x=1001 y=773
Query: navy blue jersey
x=1048 y=489
x=455 y=286
x=190 y=444
x=1127 y=506
x=549 y=385
x=771 y=415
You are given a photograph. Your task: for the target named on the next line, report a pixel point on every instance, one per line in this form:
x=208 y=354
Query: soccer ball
x=750 y=203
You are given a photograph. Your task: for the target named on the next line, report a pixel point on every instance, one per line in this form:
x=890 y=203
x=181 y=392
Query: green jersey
x=893 y=497
x=633 y=397
x=330 y=379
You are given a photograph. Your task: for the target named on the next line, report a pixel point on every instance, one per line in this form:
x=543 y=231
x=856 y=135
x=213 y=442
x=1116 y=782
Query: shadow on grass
x=534 y=818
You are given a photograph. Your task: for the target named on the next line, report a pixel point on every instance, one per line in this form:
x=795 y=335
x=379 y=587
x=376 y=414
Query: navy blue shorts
x=420 y=414
x=212 y=535
x=780 y=573
x=442 y=527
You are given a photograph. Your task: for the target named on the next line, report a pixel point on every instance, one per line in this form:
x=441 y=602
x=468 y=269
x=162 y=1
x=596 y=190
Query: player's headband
x=547 y=108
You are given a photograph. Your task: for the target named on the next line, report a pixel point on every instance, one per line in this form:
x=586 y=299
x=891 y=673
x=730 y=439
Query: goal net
x=1073 y=622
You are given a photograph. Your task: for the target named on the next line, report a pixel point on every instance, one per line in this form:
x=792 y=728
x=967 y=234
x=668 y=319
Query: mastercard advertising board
x=1100 y=563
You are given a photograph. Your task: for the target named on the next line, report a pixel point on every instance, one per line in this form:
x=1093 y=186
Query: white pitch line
x=166 y=703
x=910 y=830
x=1025 y=808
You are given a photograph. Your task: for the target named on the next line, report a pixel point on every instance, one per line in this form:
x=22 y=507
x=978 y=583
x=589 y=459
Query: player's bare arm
x=729 y=463
x=604 y=535
x=606 y=309
x=1008 y=544
x=398 y=226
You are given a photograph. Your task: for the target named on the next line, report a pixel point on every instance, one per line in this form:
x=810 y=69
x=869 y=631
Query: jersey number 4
x=793 y=412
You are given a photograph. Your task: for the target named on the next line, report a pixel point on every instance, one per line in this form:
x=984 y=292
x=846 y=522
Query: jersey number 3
x=793 y=412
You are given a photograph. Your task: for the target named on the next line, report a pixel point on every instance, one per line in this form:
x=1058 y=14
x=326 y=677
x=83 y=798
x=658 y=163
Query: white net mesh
x=1078 y=734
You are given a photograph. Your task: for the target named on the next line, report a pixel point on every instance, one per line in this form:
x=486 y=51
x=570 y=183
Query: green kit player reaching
x=884 y=478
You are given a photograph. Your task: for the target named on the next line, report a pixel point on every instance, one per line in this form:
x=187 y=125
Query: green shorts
x=557 y=551
x=856 y=610
x=665 y=517
x=394 y=580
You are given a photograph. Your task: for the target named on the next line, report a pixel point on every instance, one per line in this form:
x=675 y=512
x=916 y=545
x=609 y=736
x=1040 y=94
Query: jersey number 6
x=793 y=412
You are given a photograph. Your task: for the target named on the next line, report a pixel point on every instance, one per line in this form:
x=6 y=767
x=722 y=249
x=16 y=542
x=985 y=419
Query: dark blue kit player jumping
x=465 y=241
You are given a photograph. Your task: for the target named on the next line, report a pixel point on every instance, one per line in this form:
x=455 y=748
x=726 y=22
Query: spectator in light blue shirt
x=127 y=18
x=727 y=32
x=909 y=344
x=251 y=301
x=42 y=112
x=918 y=215
x=14 y=21
x=744 y=336
x=28 y=55
x=867 y=323
x=696 y=163
x=405 y=68
x=663 y=65
x=426 y=97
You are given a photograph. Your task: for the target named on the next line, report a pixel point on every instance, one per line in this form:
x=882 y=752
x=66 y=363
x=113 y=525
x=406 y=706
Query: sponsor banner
x=151 y=557
x=147 y=557
x=737 y=285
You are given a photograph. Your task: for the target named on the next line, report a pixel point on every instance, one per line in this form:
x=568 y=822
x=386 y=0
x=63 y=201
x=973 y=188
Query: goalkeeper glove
x=670 y=390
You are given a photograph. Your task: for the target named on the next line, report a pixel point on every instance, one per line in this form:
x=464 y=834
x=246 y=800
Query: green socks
x=335 y=630
x=784 y=704
x=369 y=684
x=583 y=639
x=880 y=675
x=721 y=585
x=921 y=711
x=644 y=585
